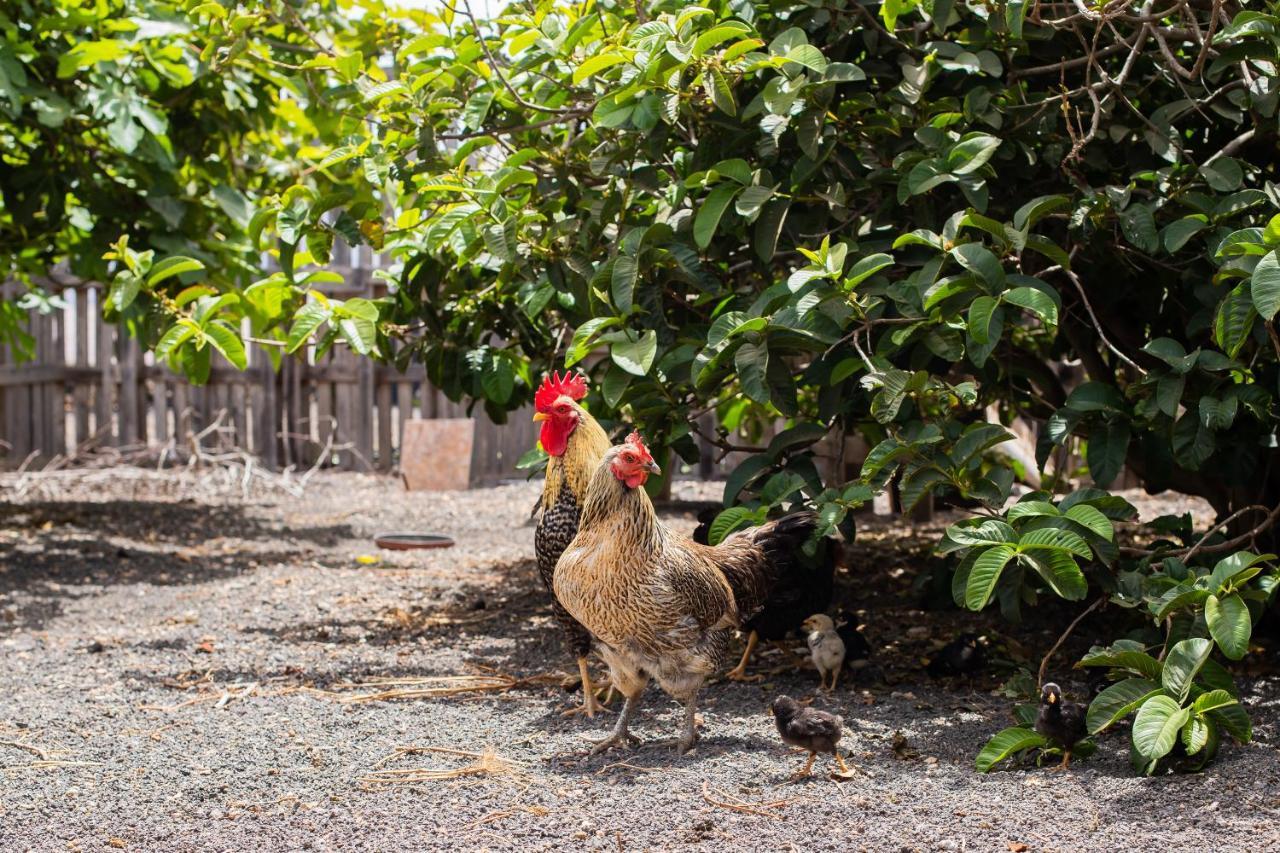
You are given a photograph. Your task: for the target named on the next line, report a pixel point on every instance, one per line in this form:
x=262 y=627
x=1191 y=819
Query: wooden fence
x=90 y=383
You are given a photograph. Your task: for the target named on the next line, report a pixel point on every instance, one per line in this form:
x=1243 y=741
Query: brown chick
x=808 y=728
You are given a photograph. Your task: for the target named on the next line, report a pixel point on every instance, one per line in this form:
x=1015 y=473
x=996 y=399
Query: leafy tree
x=167 y=122
x=876 y=218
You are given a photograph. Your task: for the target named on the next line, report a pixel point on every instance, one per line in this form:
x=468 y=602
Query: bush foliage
x=883 y=219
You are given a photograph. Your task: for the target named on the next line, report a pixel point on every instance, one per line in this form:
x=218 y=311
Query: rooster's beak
x=652 y=468
x=541 y=416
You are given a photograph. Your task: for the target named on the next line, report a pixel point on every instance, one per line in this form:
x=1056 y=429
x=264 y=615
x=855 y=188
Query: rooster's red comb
x=637 y=444
x=571 y=385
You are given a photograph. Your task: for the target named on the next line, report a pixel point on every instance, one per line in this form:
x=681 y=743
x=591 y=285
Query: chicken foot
x=804 y=772
x=621 y=735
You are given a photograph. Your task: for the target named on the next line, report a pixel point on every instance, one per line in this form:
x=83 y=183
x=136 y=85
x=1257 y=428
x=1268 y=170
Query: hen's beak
x=652 y=468
x=541 y=416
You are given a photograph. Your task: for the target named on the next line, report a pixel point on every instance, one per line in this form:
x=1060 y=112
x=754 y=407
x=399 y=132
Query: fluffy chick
x=857 y=651
x=1061 y=722
x=964 y=655
x=810 y=729
x=825 y=647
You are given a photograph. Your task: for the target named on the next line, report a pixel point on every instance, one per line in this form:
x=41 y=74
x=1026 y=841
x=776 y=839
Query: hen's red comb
x=571 y=385
x=637 y=444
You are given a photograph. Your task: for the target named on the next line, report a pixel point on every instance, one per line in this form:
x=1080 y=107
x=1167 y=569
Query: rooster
x=659 y=605
x=574 y=441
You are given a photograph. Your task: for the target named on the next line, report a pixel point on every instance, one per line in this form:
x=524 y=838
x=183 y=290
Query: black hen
x=1059 y=721
x=964 y=655
x=808 y=728
x=805 y=590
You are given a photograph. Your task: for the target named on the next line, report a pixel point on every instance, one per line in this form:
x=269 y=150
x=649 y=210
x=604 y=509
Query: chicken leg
x=590 y=705
x=689 y=736
x=621 y=731
x=739 y=672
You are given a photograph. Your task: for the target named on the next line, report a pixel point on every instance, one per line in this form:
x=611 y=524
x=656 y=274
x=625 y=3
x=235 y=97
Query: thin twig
x=1044 y=663
x=1097 y=325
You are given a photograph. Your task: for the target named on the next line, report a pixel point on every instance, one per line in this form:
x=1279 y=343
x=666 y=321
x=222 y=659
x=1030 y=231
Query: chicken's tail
x=782 y=541
x=774 y=554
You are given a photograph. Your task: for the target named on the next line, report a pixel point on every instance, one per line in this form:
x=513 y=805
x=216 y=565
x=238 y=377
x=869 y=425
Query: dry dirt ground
x=228 y=675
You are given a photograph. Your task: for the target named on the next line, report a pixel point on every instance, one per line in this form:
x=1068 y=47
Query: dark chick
x=857 y=651
x=808 y=728
x=964 y=655
x=1061 y=722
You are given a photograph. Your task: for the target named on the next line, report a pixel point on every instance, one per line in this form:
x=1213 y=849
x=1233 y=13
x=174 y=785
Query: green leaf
x=1235 y=720
x=1231 y=567
x=124 y=290
x=1107 y=450
x=729 y=520
x=1005 y=744
x=1053 y=539
x=751 y=200
x=717 y=35
x=985 y=574
x=1264 y=286
x=1118 y=701
x=1155 y=729
x=170 y=267
x=307 y=319
x=979 y=321
x=1135 y=661
x=1176 y=234
x=867 y=267
x=499 y=380
x=979 y=260
x=1093 y=519
x=1233 y=320
x=584 y=337
x=1060 y=572
x=227 y=341
x=1213 y=700
x=1181 y=665
x=989 y=532
x=1029 y=509
x=360 y=333
x=769 y=227
x=1036 y=301
x=708 y=218
x=808 y=56
x=596 y=64
x=718 y=89
x=1229 y=624
x=636 y=356
x=623 y=282
x=1195 y=734
x=752 y=363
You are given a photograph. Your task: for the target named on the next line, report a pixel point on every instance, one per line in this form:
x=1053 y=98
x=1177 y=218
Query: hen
x=804 y=591
x=574 y=441
x=659 y=605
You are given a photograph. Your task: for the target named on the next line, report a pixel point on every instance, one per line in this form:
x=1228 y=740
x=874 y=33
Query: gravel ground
x=174 y=673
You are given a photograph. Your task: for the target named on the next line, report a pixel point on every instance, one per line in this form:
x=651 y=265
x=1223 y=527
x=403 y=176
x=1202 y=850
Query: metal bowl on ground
x=412 y=541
